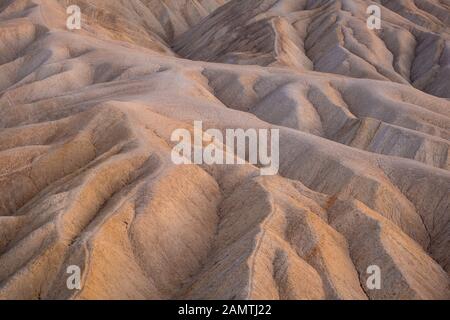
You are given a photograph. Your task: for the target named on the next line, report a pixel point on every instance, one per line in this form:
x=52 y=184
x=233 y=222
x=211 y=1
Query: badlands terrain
x=87 y=180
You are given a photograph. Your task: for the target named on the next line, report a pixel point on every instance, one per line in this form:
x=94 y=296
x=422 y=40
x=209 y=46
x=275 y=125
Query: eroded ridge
x=86 y=176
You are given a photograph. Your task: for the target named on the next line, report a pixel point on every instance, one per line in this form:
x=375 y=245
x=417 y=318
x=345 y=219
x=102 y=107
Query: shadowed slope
x=413 y=46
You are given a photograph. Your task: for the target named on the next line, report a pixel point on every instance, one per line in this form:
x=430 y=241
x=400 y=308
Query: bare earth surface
x=86 y=176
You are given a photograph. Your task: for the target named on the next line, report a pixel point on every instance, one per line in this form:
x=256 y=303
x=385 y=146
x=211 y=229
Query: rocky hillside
x=87 y=179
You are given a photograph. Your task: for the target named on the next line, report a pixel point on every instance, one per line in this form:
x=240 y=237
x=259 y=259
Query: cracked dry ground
x=86 y=176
